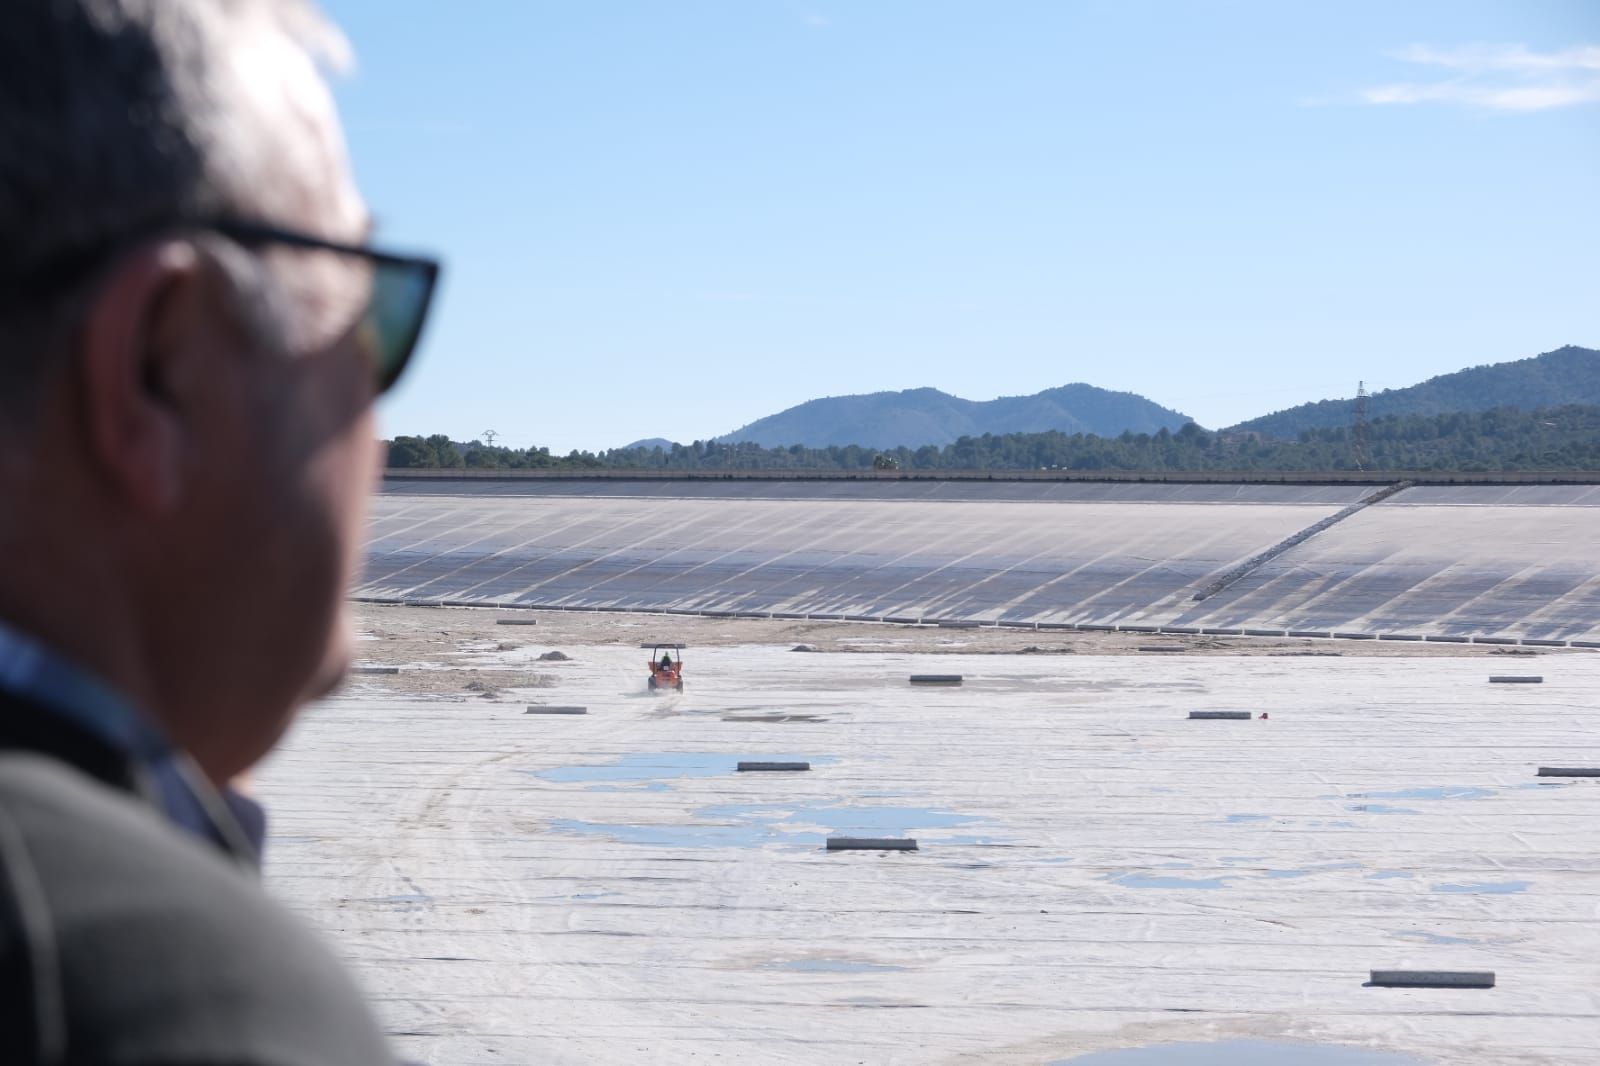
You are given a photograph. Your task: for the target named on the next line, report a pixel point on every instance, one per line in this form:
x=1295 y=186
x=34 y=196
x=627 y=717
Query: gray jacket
x=125 y=941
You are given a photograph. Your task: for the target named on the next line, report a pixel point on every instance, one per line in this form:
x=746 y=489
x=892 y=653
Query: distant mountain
x=1569 y=375
x=649 y=444
x=927 y=416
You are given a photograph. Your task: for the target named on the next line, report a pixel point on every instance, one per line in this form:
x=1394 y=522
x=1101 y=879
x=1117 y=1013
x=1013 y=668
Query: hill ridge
x=924 y=415
x=1566 y=375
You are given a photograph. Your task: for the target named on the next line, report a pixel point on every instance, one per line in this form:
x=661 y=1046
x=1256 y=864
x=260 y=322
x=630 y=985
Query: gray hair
x=117 y=120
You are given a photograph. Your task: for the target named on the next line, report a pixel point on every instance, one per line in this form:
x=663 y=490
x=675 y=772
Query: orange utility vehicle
x=666 y=671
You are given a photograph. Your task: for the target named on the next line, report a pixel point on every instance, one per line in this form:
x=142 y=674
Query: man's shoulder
x=152 y=947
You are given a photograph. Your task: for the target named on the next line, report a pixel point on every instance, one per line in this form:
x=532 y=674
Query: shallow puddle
x=835 y=966
x=1489 y=888
x=1157 y=881
x=1436 y=792
x=1422 y=936
x=755 y=824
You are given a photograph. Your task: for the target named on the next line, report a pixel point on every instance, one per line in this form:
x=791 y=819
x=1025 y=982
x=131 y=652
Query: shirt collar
x=170 y=780
x=29 y=669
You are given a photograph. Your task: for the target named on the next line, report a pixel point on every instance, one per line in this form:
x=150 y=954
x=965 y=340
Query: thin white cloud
x=1498 y=77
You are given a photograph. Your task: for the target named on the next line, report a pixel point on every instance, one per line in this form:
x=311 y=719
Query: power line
x=1360 y=432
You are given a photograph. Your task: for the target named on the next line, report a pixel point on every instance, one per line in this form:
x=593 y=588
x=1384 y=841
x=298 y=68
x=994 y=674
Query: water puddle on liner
x=749 y=825
x=1437 y=792
x=865 y=820
x=1422 y=936
x=1237 y=819
x=1486 y=888
x=673 y=836
x=1307 y=871
x=1390 y=875
x=1155 y=881
x=834 y=966
x=666 y=765
x=1381 y=808
x=1243 y=1053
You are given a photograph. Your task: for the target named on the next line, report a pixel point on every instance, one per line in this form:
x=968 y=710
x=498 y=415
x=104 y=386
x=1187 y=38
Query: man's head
x=186 y=382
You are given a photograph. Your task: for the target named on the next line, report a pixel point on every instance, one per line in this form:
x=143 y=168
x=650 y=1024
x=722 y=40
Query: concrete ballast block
x=936 y=679
x=1516 y=679
x=1161 y=647
x=776 y=766
x=871 y=844
x=1569 y=771
x=553 y=709
x=516 y=621
x=1433 y=978
x=1238 y=716
x=374 y=669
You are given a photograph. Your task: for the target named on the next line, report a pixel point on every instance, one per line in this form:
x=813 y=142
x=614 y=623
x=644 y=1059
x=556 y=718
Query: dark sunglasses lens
x=400 y=297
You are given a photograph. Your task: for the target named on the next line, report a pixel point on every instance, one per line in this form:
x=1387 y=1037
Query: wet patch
x=1242 y=1053
x=662 y=765
x=834 y=966
x=1135 y=880
x=868 y=821
x=1381 y=808
x=1238 y=819
x=1435 y=792
x=774 y=718
x=1307 y=871
x=1485 y=888
x=746 y=825
x=676 y=836
x=1422 y=936
x=1390 y=875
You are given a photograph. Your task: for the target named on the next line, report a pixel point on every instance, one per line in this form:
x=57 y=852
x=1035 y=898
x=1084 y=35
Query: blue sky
x=670 y=218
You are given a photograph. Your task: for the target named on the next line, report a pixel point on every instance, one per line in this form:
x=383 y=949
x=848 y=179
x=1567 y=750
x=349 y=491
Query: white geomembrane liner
x=1096 y=871
x=1515 y=562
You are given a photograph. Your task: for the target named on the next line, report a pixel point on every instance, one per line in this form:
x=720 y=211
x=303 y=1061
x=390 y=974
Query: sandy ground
x=457 y=637
x=1094 y=870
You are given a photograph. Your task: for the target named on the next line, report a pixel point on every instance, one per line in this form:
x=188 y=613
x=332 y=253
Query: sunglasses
x=402 y=291
x=390 y=325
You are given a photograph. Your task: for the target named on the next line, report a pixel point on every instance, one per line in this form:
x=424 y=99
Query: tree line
x=1503 y=439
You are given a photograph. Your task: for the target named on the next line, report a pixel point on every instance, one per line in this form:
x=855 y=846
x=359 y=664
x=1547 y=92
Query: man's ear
x=137 y=342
